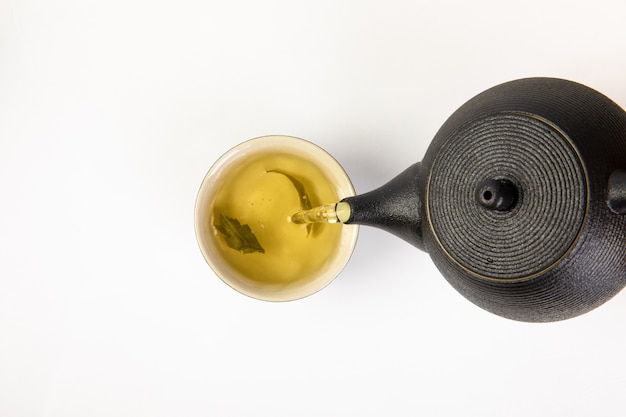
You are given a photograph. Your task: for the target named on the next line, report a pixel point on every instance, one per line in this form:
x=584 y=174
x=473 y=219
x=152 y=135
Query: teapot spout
x=395 y=207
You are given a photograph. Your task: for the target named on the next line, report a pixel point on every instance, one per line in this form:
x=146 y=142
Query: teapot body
x=553 y=248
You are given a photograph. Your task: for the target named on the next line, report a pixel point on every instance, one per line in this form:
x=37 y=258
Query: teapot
x=520 y=200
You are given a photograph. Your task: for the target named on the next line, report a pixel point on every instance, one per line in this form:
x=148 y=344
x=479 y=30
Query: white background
x=111 y=112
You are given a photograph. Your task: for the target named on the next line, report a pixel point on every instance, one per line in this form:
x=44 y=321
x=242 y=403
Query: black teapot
x=520 y=200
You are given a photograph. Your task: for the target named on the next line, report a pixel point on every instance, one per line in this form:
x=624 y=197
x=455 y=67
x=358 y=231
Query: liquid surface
x=258 y=196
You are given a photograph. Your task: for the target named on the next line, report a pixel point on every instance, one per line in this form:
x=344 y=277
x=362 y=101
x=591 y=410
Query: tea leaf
x=238 y=236
x=305 y=201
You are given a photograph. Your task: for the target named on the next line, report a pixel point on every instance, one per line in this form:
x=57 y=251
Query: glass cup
x=243 y=218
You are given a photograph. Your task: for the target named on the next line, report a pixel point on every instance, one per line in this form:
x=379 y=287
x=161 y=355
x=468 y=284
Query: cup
x=243 y=218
